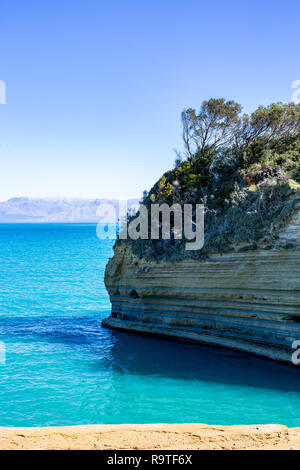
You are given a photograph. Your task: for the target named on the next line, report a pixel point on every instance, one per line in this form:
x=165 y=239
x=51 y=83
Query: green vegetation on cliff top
x=244 y=169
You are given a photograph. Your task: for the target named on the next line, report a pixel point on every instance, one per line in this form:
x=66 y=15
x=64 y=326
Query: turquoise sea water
x=63 y=368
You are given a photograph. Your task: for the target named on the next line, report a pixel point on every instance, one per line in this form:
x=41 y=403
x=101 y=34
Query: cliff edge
x=247 y=300
x=242 y=290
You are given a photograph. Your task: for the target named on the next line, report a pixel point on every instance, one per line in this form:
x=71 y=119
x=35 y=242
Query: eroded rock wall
x=246 y=300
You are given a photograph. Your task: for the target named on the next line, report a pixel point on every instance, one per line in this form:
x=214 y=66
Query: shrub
x=244 y=169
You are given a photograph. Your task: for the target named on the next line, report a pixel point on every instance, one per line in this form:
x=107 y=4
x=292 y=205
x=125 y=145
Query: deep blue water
x=63 y=368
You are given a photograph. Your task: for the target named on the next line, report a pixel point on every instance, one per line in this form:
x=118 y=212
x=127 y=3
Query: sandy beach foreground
x=151 y=436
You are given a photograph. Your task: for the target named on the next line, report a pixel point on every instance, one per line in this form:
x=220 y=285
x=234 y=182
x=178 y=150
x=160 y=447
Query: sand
x=151 y=436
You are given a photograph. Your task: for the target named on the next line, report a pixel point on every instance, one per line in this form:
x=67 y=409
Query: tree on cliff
x=244 y=169
x=211 y=129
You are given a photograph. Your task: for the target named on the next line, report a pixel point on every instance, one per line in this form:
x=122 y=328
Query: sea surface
x=58 y=366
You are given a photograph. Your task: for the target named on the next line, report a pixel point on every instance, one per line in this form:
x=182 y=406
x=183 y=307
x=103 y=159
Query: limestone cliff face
x=246 y=300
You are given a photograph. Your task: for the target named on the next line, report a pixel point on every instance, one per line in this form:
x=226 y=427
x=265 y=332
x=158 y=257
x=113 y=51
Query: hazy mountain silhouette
x=23 y=209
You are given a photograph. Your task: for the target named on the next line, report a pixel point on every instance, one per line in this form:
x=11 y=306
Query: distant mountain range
x=56 y=210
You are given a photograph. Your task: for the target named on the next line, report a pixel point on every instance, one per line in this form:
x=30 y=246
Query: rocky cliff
x=247 y=299
x=242 y=290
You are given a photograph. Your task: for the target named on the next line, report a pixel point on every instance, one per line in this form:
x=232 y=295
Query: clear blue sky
x=95 y=88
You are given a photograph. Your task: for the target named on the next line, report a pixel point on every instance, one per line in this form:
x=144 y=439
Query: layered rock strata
x=247 y=299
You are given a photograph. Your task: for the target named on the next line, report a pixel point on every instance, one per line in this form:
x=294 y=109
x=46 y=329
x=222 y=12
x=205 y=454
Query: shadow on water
x=136 y=354
x=133 y=354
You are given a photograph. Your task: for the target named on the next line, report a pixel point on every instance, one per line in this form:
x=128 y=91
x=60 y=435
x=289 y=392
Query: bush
x=246 y=173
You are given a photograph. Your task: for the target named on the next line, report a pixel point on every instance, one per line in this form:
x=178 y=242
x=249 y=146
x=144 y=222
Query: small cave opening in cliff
x=134 y=294
x=292 y=318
